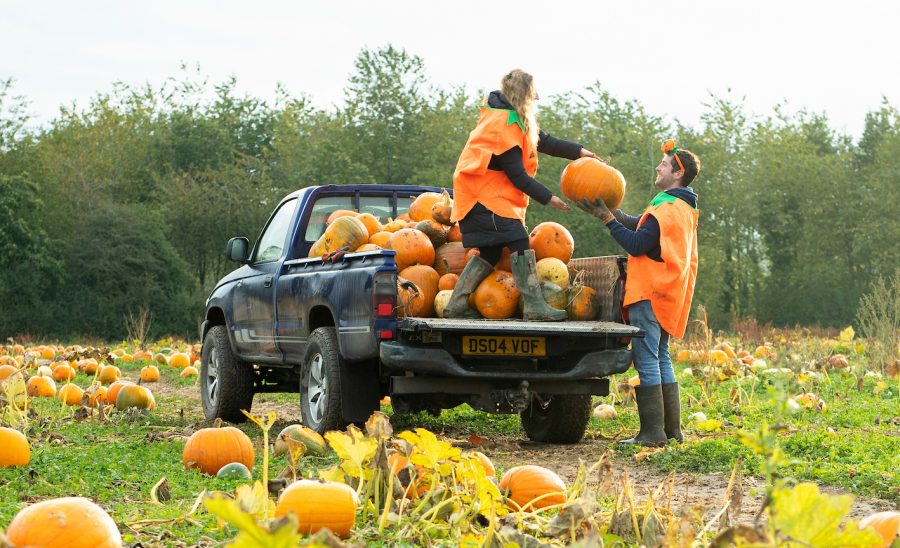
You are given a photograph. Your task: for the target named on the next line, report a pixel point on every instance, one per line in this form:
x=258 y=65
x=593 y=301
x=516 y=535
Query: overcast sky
x=836 y=57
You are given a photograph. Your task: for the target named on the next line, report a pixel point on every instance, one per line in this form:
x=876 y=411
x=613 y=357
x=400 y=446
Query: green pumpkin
x=314 y=442
x=234 y=471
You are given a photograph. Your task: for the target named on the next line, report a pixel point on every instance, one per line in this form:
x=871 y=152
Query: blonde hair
x=518 y=87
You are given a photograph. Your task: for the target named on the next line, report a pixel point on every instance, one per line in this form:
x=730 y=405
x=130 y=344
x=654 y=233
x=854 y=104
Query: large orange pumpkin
x=180 y=360
x=7 y=371
x=886 y=524
x=447 y=281
x=14 y=449
x=590 y=178
x=345 y=232
x=412 y=301
x=497 y=296
x=109 y=374
x=530 y=487
x=380 y=238
x=426 y=279
x=149 y=373
x=71 y=394
x=420 y=209
x=74 y=522
x=210 y=449
x=41 y=387
x=88 y=366
x=63 y=372
x=113 y=392
x=136 y=396
x=319 y=505
x=552 y=240
x=411 y=247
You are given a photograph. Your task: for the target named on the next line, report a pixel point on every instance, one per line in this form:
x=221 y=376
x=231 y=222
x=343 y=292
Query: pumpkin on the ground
x=63 y=373
x=486 y=463
x=411 y=247
x=189 y=371
x=532 y=487
x=344 y=233
x=234 y=471
x=314 y=442
x=551 y=239
x=135 y=396
x=149 y=373
x=71 y=394
x=7 y=371
x=319 y=504
x=589 y=178
x=886 y=524
x=14 y=448
x=113 y=391
x=96 y=394
x=209 y=449
x=40 y=387
x=109 y=374
x=179 y=359
x=497 y=296
x=73 y=522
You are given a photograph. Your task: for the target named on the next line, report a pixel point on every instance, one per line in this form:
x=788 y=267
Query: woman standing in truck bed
x=492 y=183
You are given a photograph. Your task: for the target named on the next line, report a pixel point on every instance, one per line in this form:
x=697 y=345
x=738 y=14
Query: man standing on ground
x=662 y=269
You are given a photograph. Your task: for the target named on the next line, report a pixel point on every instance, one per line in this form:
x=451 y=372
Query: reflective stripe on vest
x=668 y=285
x=498 y=130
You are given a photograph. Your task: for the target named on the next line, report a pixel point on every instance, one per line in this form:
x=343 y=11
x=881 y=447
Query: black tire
x=320 y=382
x=226 y=381
x=564 y=420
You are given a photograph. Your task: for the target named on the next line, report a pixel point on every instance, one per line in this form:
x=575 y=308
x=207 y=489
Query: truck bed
x=516 y=327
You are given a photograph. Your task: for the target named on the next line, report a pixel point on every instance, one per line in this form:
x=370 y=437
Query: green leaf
x=803 y=515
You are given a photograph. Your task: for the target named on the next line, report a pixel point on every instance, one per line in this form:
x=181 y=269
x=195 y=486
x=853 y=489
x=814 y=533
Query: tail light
x=384 y=294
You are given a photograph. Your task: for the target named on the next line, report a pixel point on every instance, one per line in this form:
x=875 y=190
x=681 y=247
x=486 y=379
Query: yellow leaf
x=709 y=425
x=251 y=533
x=847 y=334
x=803 y=515
x=428 y=451
x=335 y=473
x=254 y=499
x=354 y=449
x=880 y=387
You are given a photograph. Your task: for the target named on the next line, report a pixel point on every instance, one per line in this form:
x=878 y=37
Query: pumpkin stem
x=217 y=423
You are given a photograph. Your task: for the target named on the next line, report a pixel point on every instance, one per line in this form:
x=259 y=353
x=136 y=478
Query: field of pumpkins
x=104 y=446
x=430 y=256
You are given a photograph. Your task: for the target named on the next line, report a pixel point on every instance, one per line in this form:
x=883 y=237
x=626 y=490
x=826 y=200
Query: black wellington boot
x=672 y=409
x=650 y=410
x=524 y=269
x=476 y=270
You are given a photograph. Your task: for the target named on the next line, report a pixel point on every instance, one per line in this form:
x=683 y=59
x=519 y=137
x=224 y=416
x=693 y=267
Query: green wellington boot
x=476 y=270
x=672 y=410
x=524 y=270
x=650 y=410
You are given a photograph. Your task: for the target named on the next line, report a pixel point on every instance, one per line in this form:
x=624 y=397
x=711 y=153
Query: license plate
x=504 y=346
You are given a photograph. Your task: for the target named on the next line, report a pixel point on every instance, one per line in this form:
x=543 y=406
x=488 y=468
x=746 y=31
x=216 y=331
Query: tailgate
x=516 y=327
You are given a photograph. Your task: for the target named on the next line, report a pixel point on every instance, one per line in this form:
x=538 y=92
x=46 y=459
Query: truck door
x=254 y=304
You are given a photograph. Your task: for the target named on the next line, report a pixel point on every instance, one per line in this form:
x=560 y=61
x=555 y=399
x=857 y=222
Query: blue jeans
x=651 y=353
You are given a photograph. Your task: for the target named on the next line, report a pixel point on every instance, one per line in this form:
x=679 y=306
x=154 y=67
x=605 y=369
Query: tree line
x=125 y=204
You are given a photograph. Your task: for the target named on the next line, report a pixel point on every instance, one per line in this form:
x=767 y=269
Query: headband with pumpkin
x=669 y=147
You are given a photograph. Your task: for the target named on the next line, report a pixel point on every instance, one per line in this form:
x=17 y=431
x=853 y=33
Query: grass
x=853 y=444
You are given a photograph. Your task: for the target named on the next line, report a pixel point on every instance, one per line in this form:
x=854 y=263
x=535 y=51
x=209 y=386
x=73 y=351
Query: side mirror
x=238 y=249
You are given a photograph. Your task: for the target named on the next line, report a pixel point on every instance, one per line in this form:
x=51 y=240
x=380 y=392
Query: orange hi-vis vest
x=668 y=285
x=498 y=130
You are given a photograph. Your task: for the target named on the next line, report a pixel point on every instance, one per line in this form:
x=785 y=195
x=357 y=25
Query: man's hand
x=558 y=204
x=597 y=208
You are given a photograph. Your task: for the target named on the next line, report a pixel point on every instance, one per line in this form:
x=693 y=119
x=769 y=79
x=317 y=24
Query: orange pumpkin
x=583 y=304
x=450 y=258
x=486 y=463
x=338 y=213
x=63 y=372
x=505 y=262
x=345 y=232
x=136 y=396
x=14 y=449
x=180 y=360
x=497 y=296
x=411 y=300
x=368 y=247
x=71 y=394
x=96 y=395
x=319 y=504
x=886 y=524
x=591 y=179
x=426 y=279
x=552 y=240
x=455 y=234
x=109 y=374
x=7 y=371
x=371 y=222
x=395 y=225
x=113 y=392
x=380 y=238
x=420 y=209
x=447 y=281
x=149 y=373
x=209 y=449
x=442 y=210
x=88 y=366
x=531 y=487
x=41 y=387
x=411 y=247
x=74 y=522
x=189 y=371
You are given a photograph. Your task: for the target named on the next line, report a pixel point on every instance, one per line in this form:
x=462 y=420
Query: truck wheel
x=226 y=381
x=320 y=382
x=564 y=420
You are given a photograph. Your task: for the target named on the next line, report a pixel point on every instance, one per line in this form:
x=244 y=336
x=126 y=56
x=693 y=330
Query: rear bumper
x=439 y=362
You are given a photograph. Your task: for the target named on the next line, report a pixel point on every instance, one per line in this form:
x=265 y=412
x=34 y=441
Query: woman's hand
x=585 y=153
x=558 y=204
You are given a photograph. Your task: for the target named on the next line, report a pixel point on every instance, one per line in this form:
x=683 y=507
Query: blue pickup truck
x=329 y=329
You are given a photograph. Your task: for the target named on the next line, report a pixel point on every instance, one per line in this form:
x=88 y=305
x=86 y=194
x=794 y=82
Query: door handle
x=267 y=282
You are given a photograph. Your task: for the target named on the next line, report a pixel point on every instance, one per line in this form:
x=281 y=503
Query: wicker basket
x=606 y=276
